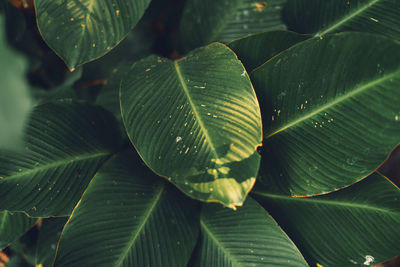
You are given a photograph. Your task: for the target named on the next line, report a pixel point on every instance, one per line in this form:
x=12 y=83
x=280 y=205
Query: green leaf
x=246 y=237
x=13 y=226
x=82 y=30
x=15 y=101
x=66 y=142
x=206 y=21
x=109 y=94
x=356 y=226
x=129 y=217
x=196 y=121
x=321 y=17
x=256 y=49
x=49 y=234
x=331 y=111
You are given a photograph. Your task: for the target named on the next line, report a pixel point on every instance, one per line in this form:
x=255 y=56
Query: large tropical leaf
x=356 y=226
x=129 y=217
x=246 y=237
x=13 y=226
x=49 y=234
x=196 y=121
x=205 y=21
x=256 y=49
x=328 y=16
x=15 y=101
x=331 y=111
x=66 y=142
x=82 y=30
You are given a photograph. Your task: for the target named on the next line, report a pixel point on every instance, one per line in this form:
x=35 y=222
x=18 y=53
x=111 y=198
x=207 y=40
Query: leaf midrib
x=135 y=235
x=56 y=164
x=327 y=202
x=338 y=100
x=346 y=18
x=221 y=246
x=193 y=106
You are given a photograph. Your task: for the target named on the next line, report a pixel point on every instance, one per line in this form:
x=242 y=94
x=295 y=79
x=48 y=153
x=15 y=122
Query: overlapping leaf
x=321 y=17
x=82 y=30
x=196 y=121
x=129 y=217
x=66 y=142
x=12 y=226
x=331 y=111
x=49 y=234
x=205 y=21
x=256 y=49
x=246 y=237
x=357 y=226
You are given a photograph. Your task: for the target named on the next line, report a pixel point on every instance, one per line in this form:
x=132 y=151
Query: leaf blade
x=209 y=21
x=89 y=30
x=203 y=138
x=324 y=17
x=155 y=226
x=13 y=226
x=363 y=218
x=328 y=125
x=66 y=142
x=246 y=237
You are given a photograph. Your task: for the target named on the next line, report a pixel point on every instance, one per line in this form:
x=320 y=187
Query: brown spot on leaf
x=260 y=6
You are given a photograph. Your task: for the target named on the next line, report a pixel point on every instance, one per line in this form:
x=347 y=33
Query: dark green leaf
x=66 y=142
x=206 y=21
x=321 y=17
x=356 y=226
x=13 y=226
x=129 y=217
x=246 y=237
x=331 y=112
x=196 y=121
x=49 y=234
x=83 y=30
x=256 y=49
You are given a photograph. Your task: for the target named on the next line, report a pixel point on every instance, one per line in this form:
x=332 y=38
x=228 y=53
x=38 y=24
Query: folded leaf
x=356 y=226
x=331 y=112
x=206 y=21
x=195 y=121
x=321 y=17
x=129 y=217
x=13 y=226
x=246 y=237
x=82 y=30
x=66 y=142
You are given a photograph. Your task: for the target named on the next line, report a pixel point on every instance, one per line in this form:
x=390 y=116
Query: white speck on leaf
x=178 y=139
x=368 y=260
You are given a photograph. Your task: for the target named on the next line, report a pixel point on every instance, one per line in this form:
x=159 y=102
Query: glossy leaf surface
x=15 y=101
x=321 y=17
x=357 y=226
x=65 y=144
x=205 y=21
x=82 y=30
x=129 y=217
x=246 y=237
x=13 y=226
x=254 y=50
x=331 y=111
x=196 y=121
